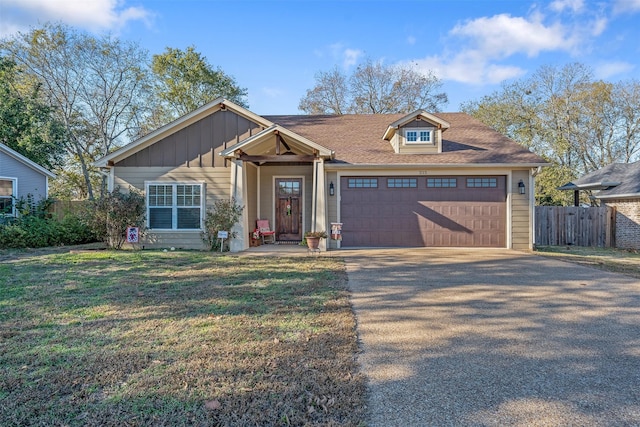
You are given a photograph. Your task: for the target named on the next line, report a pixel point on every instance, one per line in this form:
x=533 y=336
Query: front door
x=288 y=208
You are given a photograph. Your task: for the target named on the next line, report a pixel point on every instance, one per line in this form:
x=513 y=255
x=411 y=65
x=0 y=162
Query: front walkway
x=455 y=337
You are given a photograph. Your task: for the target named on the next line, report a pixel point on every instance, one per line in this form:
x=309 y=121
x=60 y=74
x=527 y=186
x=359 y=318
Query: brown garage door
x=463 y=211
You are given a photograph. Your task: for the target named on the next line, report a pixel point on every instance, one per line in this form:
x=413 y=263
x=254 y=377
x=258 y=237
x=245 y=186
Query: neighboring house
x=616 y=185
x=20 y=178
x=403 y=180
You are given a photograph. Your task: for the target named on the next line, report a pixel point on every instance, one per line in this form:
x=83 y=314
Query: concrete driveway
x=494 y=337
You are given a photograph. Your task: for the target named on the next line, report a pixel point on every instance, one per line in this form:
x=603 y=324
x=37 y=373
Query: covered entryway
x=277 y=175
x=417 y=211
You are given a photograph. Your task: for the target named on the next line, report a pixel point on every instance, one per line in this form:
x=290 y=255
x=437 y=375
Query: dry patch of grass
x=608 y=259
x=177 y=338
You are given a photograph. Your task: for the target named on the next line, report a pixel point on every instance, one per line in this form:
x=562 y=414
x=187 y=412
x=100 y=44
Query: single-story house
x=404 y=180
x=616 y=185
x=20 y=178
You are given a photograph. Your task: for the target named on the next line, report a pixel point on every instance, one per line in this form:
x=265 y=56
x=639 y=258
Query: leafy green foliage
x=223 y=216
x=110 y=215
x=186 y=81
x=27 y=124
x=36 y=228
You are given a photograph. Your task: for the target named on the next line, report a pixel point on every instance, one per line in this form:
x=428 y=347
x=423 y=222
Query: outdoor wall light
x=332 y=189
x=521 y=187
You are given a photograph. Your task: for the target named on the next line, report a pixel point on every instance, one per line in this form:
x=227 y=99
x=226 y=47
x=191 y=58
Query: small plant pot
x=313 y=242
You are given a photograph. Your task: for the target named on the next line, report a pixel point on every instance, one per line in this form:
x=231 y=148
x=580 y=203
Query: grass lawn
x=176 y=338
x=609 y=259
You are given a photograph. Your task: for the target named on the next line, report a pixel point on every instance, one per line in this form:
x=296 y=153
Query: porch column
x=319 y=202
x=239 y=193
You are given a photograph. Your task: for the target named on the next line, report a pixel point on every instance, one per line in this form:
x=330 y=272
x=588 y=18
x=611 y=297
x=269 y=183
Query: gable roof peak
x=418 y=114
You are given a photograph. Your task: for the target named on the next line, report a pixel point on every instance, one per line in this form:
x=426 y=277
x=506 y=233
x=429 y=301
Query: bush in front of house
x=35 y=228
x=109 y=216
x=224 y=215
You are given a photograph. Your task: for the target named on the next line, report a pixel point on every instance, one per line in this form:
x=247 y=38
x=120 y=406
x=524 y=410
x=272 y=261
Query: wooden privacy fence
x=60 y=208
x=572 y=225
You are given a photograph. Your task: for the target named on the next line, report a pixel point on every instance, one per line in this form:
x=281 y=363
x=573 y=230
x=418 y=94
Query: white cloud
x=598 y=26
x=94 y=15
x=486 y=42
x=411 y=40
x=351 y=57
x=502 y=35
x=610 y=69
x=469 y=67
x=624 y=6
x=561 y=5
x=346 y=56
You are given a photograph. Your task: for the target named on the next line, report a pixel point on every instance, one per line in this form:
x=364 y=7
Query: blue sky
x=274 y=48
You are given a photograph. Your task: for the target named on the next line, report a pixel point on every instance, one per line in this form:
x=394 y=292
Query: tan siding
x=520 y=213
x=217 y=186
x=418 y=149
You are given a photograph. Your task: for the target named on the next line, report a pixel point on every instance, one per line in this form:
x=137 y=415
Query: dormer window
x=418 y=136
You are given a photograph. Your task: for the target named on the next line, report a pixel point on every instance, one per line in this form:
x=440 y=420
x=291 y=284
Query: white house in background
x=20 y=177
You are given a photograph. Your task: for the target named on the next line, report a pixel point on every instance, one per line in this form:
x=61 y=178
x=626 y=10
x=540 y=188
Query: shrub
x=109 y=216
x=222 y=217
x=34 y=227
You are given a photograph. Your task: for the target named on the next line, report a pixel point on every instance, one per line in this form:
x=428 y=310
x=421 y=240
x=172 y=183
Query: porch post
x=239 y=193
x=319 y=202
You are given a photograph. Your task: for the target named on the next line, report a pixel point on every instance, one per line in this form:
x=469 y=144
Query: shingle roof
x=625 y=175
x=357 y=139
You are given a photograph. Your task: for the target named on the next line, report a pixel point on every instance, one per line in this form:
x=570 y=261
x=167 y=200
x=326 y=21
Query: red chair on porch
x=265 y=231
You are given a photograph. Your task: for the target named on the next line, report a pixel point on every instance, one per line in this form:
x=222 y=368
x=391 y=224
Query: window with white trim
x=418 y=136
x=174 y=206
x=7 y=189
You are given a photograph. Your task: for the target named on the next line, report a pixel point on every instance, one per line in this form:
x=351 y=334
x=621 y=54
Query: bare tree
x=374 y=88
x=330 y=95
x=97 y=87
x=577 y=123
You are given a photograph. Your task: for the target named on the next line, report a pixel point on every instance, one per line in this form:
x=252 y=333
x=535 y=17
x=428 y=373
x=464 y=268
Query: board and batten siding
x=217 y=185
x=197 y=145
x=520 y=212
x=30 y=181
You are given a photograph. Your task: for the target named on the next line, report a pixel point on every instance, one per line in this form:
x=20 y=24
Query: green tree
x=97 y=88
x=27 y=124
x=186 y=81
x=374 y=88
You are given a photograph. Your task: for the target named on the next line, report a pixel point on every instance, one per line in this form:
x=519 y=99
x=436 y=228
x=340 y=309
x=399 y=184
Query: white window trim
x=432 y=135
x=14 y=192
x=174 y=207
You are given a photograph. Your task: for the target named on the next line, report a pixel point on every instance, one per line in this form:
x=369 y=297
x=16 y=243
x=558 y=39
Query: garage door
x=458 y=211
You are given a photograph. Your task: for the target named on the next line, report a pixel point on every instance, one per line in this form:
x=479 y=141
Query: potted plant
x=313 y=238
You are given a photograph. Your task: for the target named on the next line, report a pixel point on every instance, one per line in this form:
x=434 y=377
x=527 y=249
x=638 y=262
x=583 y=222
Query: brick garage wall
x=627 y=223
